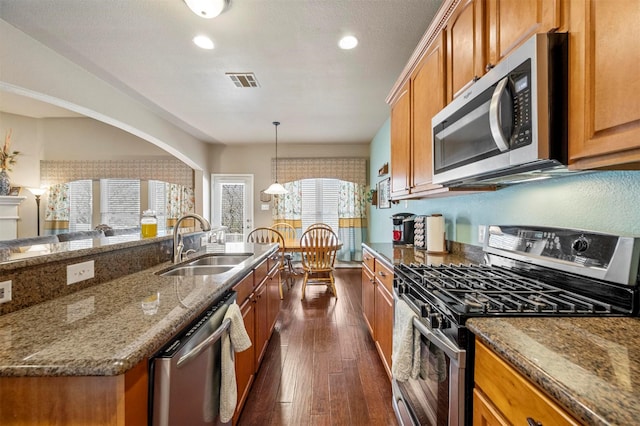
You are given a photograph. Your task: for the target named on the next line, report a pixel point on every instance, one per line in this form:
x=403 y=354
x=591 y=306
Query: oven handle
x=205 y=343
x=454 y=353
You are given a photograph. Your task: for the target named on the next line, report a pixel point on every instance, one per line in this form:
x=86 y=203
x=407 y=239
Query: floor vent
x=243 y=79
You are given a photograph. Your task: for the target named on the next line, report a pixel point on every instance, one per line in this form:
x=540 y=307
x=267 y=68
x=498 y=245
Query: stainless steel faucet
x=178 y=246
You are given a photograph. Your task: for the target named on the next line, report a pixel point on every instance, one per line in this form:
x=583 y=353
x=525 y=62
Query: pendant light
x=276 y=188
x=207 y=8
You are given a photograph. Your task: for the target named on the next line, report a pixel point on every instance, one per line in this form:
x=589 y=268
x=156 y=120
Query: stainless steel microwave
x=511 y=121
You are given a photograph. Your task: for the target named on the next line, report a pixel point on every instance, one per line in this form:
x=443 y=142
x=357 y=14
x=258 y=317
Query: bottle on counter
x=149 y=224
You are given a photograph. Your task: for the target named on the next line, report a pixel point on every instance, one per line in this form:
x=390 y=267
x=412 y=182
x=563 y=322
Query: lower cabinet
x=377 y=305
x=259 y=300
x=502 y=396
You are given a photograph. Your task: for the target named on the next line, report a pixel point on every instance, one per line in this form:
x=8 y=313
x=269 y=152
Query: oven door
x=437 y=395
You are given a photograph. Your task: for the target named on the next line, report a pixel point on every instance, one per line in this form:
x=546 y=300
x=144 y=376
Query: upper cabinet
x=400 y=135
x=604 y=84
x=427 y=98
x=512 y=22
x=465 y=32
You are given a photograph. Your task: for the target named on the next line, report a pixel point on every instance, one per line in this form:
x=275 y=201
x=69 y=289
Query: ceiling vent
x=243 y=79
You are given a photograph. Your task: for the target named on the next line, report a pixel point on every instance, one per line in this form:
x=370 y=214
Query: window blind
x=80 y=205
x=158 y=202
x=320 y=202
x=120 y=202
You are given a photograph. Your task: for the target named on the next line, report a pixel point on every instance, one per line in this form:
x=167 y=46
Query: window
x=320 y=202
x=120 y=202
x=158 y=202
x=80 y=205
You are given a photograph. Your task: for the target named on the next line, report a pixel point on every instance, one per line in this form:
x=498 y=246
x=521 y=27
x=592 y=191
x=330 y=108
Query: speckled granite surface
x=591 y=366
x=394 y=254
x=108 y=328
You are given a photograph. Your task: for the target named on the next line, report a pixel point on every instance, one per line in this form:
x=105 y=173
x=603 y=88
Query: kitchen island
x=90 y=348
x=589 y=366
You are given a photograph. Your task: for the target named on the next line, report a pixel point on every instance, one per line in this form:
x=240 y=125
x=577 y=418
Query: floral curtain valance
x=347 y=169
x=167 y=170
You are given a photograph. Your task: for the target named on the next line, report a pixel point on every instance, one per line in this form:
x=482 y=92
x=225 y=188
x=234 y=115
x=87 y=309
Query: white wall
x=256 y=160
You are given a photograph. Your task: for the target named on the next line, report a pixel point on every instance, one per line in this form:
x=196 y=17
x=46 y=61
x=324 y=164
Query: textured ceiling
x=319 y=93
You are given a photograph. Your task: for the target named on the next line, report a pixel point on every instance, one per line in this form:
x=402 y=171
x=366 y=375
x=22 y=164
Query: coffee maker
x=403 y=228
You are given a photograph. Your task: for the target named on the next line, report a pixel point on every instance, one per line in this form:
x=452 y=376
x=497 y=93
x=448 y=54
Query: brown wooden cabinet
x=511 y=22
x=259 y=300
x=506 y=397
x=400 y=142
x=368 y=297
x=466 y=47
x=428 y=95
x=604 y=84
x=377 y=305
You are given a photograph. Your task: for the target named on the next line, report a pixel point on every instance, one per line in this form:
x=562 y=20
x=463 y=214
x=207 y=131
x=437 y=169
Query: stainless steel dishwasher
x=185 y=373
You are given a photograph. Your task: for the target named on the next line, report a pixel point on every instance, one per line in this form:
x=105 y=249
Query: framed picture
x=15 y=191
x=384 y=201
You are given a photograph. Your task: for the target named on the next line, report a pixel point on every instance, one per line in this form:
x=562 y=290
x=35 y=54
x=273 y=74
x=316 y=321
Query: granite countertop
x=591 y=366
x=396 y=254
x=108 y=328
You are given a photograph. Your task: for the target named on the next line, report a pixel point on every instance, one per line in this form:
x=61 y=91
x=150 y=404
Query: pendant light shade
x=207 y=8
x=275 y=188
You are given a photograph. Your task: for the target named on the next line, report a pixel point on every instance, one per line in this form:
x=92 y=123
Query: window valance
x=345 y=168
x=169 y=170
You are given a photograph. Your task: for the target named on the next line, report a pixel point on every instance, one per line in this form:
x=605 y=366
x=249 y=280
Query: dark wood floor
x=321 y=366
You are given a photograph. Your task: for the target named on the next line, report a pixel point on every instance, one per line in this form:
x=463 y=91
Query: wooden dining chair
x=289 y=233
x=263 y=235
x=319 y=247
x=319 y=225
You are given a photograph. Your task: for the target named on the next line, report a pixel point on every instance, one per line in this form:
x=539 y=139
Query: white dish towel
x=405 y=359
x=236 y=340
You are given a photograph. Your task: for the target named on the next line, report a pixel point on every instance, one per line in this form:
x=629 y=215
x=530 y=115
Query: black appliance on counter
x=529 y=271
x=403 y=228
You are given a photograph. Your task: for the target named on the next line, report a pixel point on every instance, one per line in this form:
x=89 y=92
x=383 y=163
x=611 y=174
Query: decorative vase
x=5 y=182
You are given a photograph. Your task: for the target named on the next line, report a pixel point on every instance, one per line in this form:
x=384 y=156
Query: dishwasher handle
x=204 y=344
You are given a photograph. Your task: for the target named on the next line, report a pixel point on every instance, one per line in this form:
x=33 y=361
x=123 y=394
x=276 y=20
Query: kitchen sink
x=193 y=270
x=221 y=259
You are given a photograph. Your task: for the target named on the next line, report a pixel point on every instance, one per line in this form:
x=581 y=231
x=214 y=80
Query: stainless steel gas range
x=528 y=271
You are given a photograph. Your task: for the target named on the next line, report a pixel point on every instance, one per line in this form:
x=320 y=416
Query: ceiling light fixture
x=207 y=8
x=276 y=188
x=203 y=42
x=348 y=42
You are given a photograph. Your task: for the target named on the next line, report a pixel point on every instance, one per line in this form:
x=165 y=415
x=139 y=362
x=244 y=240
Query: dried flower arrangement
x=7 y=158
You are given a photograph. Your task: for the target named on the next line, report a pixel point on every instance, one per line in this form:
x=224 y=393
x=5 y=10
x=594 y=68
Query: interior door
x=232 y=205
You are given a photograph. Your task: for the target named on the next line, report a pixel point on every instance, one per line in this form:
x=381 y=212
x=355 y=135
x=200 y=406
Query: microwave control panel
x=520 y=87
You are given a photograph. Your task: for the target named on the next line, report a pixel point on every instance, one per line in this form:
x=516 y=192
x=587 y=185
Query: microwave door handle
x=494 y=116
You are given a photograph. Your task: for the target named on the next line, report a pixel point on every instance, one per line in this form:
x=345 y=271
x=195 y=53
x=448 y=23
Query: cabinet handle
x=475 y=78
x=382 y=274
x=489 y=66
x=533 y=422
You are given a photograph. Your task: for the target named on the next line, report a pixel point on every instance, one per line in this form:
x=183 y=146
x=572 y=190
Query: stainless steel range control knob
x=580 y=245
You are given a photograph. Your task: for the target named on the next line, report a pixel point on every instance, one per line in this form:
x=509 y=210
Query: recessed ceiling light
x=203 y=42
x=348 y=42
x=207 y=8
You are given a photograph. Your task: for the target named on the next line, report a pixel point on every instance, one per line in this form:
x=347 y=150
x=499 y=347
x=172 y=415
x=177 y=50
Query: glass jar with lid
x=149 y=224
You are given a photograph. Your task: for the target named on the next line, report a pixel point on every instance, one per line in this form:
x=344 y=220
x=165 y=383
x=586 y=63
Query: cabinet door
x=368 y=295
x=245 y=360
x=384 y=325
x=428 y=93
x=261 y=323
x=273 y=298
x=466 y=46
x=512 y=22
x=484 y=412
x=604 y=87
x=400 y=140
